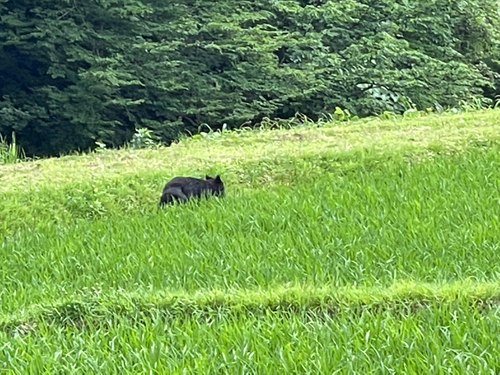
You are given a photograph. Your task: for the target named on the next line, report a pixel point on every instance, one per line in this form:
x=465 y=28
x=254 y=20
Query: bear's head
x=216 y=185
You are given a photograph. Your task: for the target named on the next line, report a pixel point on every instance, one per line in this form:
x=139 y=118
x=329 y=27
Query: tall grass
x=331 y=253
x=10 y=152
x=432 y=220
x=434 y=338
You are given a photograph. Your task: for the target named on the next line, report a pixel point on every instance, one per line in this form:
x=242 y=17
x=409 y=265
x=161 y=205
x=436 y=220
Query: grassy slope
x=335 y=246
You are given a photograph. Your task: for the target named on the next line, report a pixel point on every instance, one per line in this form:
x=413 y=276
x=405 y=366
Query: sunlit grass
x=429 y=220
x=369 y=247
x=456 y=338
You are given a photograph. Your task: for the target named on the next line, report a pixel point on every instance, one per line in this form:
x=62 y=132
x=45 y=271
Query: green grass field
x=364 y=247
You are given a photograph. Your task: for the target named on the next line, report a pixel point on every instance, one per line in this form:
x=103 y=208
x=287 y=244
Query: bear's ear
x=207 y=177
x=217 y=178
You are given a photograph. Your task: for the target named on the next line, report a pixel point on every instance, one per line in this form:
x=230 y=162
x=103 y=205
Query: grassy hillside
x=371 y=246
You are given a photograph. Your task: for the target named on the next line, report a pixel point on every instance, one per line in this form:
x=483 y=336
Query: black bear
x=181 y=189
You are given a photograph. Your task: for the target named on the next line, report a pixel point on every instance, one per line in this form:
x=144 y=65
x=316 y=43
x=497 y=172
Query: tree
x=73 y=73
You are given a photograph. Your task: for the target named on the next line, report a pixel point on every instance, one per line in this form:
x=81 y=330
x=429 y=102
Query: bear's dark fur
x=181 y=189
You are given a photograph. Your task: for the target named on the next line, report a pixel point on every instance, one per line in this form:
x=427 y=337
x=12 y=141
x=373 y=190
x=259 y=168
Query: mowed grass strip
x=91 y=306
x=235 y=149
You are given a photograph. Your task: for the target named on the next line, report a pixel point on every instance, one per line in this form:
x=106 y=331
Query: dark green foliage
x=74 y=73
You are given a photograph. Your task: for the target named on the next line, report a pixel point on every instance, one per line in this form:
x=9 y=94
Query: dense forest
x=73 y=72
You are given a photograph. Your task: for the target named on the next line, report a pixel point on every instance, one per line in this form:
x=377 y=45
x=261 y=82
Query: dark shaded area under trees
x=74 y=72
